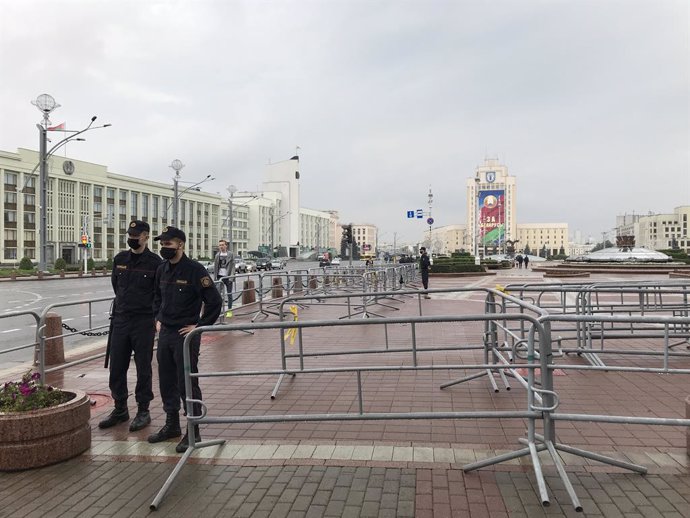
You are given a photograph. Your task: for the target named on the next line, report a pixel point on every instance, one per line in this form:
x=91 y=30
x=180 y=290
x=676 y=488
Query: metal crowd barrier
x=33 y=345
x=42 y=339
x=543 y=400
x=633 y=298
x=532 y=412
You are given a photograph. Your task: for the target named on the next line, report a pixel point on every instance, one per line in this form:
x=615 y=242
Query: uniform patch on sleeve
x=121 y=266
x=206 y=282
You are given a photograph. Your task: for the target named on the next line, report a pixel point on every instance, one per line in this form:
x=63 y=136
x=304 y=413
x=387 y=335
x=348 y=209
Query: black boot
x=184 y=443
x=119 y=415
x=141 y=420
x=170 y=429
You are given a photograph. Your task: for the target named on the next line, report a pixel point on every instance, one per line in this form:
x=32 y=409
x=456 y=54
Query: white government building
x=103 y=203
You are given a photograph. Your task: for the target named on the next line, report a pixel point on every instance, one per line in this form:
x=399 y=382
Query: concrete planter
x=46 y=436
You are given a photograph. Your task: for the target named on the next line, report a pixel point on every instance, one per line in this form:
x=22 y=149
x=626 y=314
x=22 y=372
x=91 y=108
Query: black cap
x=136 y=227
x=171 y=233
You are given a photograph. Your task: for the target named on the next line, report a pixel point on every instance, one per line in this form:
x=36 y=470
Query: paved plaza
x=372 y=468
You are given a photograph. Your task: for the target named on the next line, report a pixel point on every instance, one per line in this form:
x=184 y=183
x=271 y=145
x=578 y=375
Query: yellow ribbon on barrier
x=502 y=289
x=291 y=334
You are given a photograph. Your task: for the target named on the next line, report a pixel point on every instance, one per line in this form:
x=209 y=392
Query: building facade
x=657 y=231
x=97 y=202
x=315 y=230
x=448 y=239
x=552 y=237
x=491 y=197
x=366 y=237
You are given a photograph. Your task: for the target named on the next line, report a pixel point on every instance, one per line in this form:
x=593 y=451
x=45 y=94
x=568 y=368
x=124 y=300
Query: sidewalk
x=368 y=468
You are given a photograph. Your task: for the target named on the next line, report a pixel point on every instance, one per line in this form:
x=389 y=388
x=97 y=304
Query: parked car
x=335 y=261
x=324 y=262
x=263 y=263
x=240 y=266
x=209 y=266
x=277 y=264
x=250 y=266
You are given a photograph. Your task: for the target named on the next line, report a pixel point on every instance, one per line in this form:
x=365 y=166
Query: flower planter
x=45 y=436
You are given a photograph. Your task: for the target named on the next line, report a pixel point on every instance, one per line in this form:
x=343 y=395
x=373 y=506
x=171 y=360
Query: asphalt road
x=36 y=296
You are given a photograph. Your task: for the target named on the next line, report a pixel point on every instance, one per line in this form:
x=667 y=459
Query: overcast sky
x=585 y=101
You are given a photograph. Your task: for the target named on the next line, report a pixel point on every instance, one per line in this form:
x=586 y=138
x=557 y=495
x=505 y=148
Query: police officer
x=133 y=328
x=424 y=264
x=181 y=287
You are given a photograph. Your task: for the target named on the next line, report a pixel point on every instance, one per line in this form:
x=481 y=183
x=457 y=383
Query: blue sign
x=420 y=214
x=429 y=221
x=410 y=214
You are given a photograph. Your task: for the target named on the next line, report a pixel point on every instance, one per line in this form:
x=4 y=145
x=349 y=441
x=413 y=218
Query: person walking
x=519 y=260
x=182 y=286
x=133 y=327
x=224 y=268
x=424 y=265
x=526 y=260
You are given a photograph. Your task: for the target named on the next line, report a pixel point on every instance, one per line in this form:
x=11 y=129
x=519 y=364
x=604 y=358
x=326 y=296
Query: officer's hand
x=187 y=329
x=158 y=326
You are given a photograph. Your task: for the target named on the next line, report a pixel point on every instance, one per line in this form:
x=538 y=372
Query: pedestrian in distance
x=424 y=265
x=133 y=327
x=519 y=259
x=224 y=268
x=182 y=286
x=526 y=260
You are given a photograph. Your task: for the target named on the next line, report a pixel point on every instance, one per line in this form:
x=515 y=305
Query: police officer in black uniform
x=133 y=329
x=181 y=286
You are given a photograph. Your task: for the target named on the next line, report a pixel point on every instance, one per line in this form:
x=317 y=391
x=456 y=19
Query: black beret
x=136 y=227
x=171 y=233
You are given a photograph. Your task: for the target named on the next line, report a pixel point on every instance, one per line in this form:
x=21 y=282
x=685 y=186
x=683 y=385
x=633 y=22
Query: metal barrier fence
x=542 y=398
x=532 y=412
x=32 y=345
x=631 y=298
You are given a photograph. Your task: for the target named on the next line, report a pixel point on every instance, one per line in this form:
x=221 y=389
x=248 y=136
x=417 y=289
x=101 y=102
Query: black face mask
x=133 y=243
x=168 y=253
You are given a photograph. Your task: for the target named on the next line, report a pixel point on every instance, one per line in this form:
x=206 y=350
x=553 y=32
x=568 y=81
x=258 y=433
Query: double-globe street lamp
x=177 y=166
x=46 y=105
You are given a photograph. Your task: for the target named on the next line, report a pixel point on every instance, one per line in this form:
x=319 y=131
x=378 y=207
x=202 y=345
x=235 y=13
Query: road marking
x=67 y=319
x=13 y=301
x=9 y=331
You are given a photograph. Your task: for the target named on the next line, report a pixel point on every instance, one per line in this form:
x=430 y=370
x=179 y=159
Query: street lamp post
x=231 y=191
x=476 y=221
x=177 y=166
x=271 y=228
x=46 y=105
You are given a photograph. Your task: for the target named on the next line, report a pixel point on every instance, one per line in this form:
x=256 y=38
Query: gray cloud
x=587 y=102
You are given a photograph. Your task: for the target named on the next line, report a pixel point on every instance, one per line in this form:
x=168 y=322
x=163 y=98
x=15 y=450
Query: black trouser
x=171 y=369
x=425 y=279
x=228 y=289
x=132 y=333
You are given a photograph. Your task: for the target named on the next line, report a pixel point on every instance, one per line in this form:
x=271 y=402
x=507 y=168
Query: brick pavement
x=390 y=468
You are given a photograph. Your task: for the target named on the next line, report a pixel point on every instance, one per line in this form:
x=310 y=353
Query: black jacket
x=424 y=262
x=132 y=279
x=179 y=292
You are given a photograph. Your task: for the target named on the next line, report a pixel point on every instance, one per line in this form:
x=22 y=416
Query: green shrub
x=109 y=263
x=26 y=264
x=60 y=264
x=90 y=264
x=456 y=268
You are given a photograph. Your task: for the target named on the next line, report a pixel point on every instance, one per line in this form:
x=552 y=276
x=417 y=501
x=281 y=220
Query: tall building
x=97 y=201
x=491 y=198
x=283 y=177
x=449 y=238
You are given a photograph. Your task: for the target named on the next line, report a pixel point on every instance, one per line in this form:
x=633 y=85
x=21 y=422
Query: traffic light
x=88 y=244
x=84 y=239
x=347 y=234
